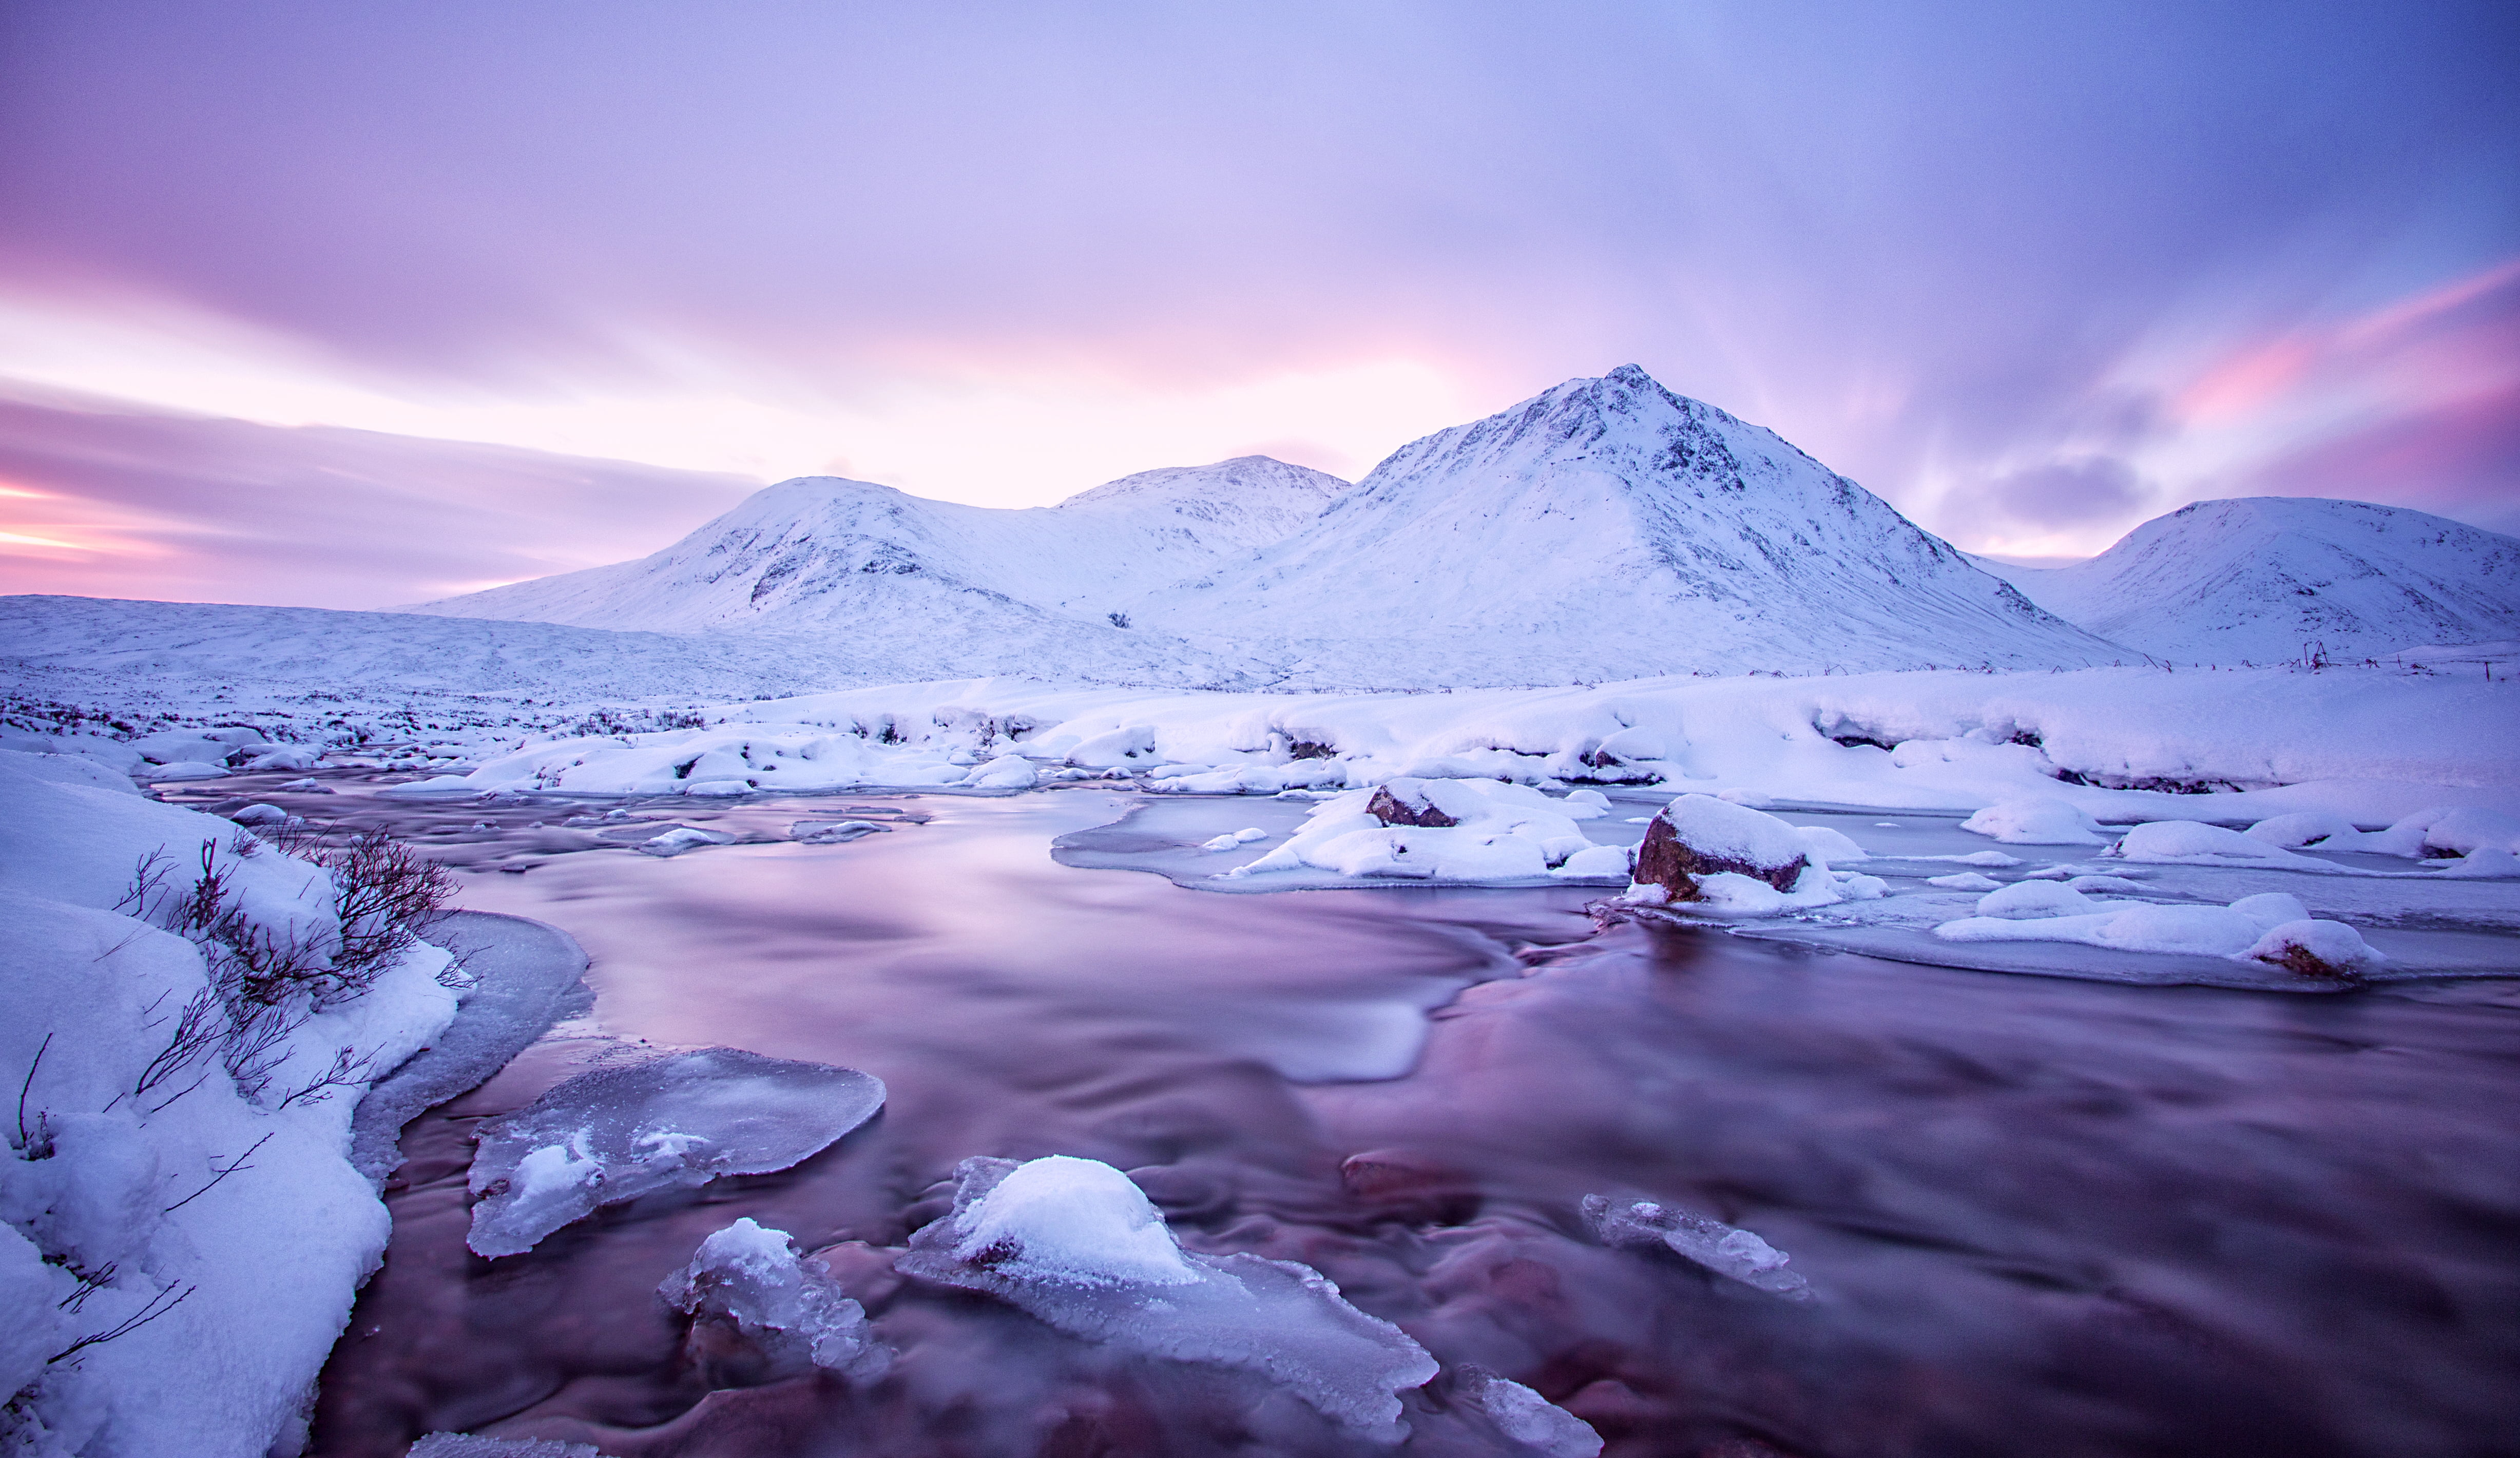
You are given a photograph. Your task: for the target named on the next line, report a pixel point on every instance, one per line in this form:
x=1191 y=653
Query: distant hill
x=2262 y=578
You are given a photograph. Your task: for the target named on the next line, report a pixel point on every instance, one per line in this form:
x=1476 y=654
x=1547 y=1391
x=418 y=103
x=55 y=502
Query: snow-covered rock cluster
x=2271 y=926
x=181 y=1227
x=680 y=1121
x=1448 y=830
x=2118 y=744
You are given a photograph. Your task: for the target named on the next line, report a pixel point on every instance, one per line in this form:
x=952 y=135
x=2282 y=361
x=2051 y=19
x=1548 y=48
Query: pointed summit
x=1610 y=529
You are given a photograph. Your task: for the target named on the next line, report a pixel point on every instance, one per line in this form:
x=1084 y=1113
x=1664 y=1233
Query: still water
x=2040 y=1216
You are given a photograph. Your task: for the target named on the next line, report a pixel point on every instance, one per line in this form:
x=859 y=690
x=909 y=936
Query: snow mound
x=1725 y=1249
x=683 y=838
x=2269 y=927
x=1445 y=830
x=2035 y=822
x=617 y=1133
x=1964 y=881
x=1076 y=1244
x=786 y=1306
x=1525 y=1416
x=2191 y=843
x=2025 y=899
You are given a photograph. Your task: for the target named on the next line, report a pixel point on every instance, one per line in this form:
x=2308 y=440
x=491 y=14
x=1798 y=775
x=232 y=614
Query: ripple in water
x=2038 y=1217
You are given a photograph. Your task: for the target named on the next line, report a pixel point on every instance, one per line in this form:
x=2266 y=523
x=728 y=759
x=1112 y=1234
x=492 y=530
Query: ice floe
x=2269 y=927
x=1076 y=1244
x=788 y=1305
x=1525 y=1416
x=1726 y=1250
x=680 y=1121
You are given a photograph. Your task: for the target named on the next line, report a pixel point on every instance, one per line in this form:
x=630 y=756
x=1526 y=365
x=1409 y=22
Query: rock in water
x=1722 y=1249
x=1698 y=835
x=1075 y=1243
x=788 y=1305
x=681 y=1121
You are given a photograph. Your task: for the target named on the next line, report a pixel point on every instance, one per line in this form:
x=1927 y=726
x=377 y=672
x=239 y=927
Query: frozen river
x=2038 y=1216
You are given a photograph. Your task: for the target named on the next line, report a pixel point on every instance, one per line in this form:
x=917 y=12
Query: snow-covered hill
x=2264 y=578
x=1608 y=528
x=859 y=560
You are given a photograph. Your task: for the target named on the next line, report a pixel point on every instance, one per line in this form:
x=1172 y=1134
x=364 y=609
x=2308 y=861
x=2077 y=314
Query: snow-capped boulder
x=2315 y=948
x=1699 y=835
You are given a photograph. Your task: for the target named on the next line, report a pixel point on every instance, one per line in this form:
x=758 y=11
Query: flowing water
x=2039 y=1216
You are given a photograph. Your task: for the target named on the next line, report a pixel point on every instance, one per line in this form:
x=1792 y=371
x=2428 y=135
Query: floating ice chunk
x=259 y=815
x=1993 y=859
x=2034 y=898
x=1596 y=860
x=1525 y=1416
x=680 y=839
x=786 y=1305
x=1964 y=881
x=2090 y=884
x=677 y=1121
x=471 y=1445
x=2315 y=948
x=1249 y=833
x=1075 y=1244
x=833 y=831
x=1225 y=841
x=2035 y=822
x=1726 y=1250
x=2191 y=843
x=307 y=787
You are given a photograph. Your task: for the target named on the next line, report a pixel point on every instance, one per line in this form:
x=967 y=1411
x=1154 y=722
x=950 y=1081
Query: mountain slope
x=2262 y=578
x=824 y=552
x=1608 y=528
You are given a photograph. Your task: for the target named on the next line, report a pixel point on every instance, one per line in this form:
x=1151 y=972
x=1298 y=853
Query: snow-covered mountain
x=2263 y=578
x=1610 y=529
x=824 y=553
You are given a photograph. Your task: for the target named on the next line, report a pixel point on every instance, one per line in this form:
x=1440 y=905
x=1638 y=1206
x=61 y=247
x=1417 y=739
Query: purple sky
x=2034 y=273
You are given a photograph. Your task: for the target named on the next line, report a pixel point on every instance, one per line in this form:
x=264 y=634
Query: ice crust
x=1726 y=1250
x=676 y=1122
x=786 y=1305
x=1075 y=1244
x=470 y=1445
x=1525 y=1416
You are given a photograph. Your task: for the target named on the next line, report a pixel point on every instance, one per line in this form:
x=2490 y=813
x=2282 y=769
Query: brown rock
x=1391 y=811
x=1667 y=861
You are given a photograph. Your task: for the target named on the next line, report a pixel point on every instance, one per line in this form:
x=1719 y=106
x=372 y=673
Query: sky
x=352 y=305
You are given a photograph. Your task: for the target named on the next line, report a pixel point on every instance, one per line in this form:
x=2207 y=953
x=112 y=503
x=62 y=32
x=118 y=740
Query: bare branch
x=235 y=1165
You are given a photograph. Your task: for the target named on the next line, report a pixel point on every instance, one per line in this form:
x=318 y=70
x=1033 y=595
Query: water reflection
x=2040 y=1216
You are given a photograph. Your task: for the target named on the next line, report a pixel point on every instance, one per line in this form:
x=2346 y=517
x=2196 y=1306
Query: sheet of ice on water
x=788 y=1305
x=1525 y=1416
x=1075 y=1244
x=469 y=1445
x=1722 y=1249
x=684 y=1119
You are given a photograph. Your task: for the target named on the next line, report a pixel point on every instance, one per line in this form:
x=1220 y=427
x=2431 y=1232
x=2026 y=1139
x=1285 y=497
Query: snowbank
x=2120 y=745
x=178 y=1200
